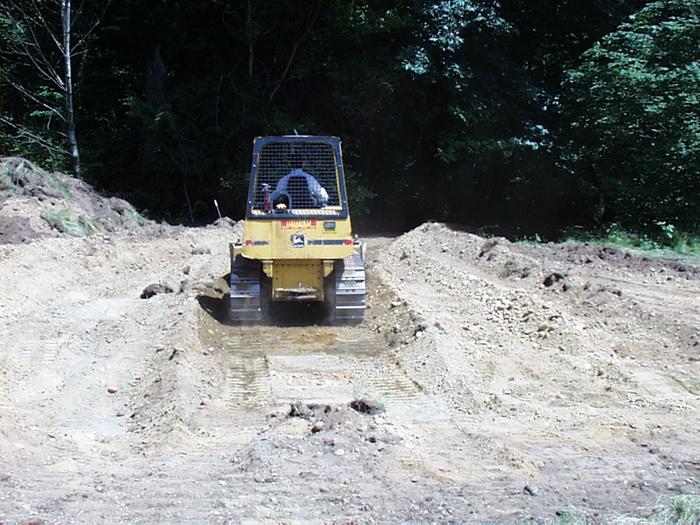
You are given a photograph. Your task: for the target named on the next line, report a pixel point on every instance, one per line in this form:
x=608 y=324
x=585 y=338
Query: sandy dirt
x=511 y=382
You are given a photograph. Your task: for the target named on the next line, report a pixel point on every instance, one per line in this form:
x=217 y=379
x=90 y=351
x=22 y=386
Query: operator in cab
x=299 y=189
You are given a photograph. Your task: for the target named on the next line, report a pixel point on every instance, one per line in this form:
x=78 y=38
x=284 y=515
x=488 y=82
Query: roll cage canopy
x=297 y=176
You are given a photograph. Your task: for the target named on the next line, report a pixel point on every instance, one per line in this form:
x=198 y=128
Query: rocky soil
x=37 y=204
x=493 y=382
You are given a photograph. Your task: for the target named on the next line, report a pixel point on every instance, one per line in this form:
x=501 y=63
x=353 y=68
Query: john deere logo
x=298 y=240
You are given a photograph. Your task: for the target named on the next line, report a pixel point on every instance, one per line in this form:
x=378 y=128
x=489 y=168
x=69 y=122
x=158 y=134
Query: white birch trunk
x=70 y=115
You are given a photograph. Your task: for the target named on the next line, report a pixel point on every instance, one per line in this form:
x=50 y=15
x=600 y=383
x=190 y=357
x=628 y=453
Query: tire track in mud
x=267 y=366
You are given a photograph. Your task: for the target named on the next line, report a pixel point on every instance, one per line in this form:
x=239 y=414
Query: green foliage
x=677 y=242
x=448 y=110
x=6 y=184
x=488 y=151
x=132 y=215
x=28 y=112
x=14 y=180
x=69 y=221
x=4 y=87
x=359 y=195
x=531 y=240
x=634 y=110
x=683 y=509
x=58 y=184
x=571 y=517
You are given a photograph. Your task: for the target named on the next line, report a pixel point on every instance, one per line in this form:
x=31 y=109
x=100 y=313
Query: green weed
x=69 y=222
x=532 y=240
x=12 y=180
x=58 y=185
x=683 y=509
x=570 y=517
x=668 y=242
x=679 y=510
x=6 y=186
x=134 y=216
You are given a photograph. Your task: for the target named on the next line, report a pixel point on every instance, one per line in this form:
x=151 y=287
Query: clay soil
x=494 y=382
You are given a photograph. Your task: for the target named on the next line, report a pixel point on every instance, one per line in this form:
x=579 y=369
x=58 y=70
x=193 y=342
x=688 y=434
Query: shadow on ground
x=216 y=304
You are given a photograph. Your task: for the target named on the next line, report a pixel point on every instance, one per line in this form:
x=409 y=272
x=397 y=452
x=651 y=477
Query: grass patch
x=6 y=187
x=57 y=184
x=570 y=517
x=69 y=222
x=683 y=509
x=509 y=268
x=14 y=179
x=532 y=240
x=679 y=510
x=5 y=178
x=132 y=215
x=668 y=240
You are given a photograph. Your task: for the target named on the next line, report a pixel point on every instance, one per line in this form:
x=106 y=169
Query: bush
x=634 y=113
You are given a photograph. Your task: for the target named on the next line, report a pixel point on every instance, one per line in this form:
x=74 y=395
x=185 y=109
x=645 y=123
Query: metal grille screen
x=296 y=177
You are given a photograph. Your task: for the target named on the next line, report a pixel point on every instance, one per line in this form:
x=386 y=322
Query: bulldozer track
x=346 y=289
x=245 y=291
x=350 y=290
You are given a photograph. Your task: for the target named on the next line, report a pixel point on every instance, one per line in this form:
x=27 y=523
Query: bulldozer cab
x=297 y=177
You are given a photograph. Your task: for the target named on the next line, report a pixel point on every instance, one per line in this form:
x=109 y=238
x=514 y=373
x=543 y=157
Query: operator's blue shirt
x=316 y=191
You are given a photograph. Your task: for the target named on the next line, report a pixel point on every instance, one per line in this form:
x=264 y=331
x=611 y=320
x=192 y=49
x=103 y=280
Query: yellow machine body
x=290 y=266
x=297 y=242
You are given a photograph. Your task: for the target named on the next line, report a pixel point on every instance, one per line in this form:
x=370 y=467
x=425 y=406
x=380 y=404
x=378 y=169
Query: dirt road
x=516 y=383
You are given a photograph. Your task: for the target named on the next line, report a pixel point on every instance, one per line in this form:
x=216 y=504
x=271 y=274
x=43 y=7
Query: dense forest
x=521 y=116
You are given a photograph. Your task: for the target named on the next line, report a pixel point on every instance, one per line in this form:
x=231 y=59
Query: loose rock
x=366 y=406
x=531 y=490
x=552 y=278
x=155 y=289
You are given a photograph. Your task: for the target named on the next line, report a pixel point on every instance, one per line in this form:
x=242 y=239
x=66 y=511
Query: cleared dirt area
x=501 y=383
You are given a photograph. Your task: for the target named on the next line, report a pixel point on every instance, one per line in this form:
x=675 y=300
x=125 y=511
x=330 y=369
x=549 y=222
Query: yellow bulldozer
x=297 y=243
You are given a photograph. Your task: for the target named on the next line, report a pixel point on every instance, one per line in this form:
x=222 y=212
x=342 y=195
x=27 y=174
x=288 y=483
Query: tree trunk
x=187 y=199
x=156 y=71
x=70 y=115
x=249 y=36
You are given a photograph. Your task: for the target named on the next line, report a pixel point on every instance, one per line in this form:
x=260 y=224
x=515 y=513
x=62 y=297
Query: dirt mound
x=35 y=203
x=533 y=346
x=480 y=388
x=608 y=257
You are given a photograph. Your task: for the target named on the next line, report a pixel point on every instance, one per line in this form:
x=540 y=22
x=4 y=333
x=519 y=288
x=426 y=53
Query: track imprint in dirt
x=266 y=366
